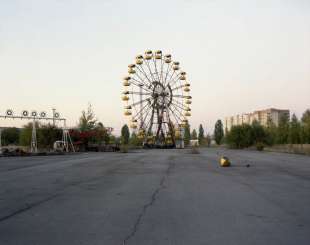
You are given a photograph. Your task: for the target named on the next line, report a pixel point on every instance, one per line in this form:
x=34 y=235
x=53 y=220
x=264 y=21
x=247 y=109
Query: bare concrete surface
x=155 y=197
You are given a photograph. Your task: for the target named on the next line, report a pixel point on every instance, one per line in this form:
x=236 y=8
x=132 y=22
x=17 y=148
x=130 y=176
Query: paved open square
x=155 y=197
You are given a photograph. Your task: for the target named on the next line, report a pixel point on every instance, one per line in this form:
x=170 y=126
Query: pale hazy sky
x=240 y=55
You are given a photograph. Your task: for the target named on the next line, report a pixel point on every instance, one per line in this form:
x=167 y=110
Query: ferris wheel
x=156 y=96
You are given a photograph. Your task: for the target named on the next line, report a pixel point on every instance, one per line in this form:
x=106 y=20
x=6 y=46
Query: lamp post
x=0 y=140
x=54 y=111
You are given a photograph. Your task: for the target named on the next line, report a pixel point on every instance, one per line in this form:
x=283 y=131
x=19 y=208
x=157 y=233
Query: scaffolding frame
x=34 y=142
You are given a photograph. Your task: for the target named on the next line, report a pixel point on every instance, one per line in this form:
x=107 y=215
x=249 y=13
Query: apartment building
x=262 y=116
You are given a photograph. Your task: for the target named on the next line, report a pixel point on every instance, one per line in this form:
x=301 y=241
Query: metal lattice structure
x=156 y=96
x=34 y=116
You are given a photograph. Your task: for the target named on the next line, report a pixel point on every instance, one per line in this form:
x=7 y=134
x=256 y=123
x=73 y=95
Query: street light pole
x=0 y=140
x=54 y=110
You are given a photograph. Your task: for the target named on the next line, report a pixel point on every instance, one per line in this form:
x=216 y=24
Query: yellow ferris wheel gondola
x=127 y=113
x=133 y=126
x=158 y=54
x=125 y=98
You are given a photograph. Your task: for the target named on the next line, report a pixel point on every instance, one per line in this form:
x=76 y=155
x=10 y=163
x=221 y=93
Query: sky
x=240 y=55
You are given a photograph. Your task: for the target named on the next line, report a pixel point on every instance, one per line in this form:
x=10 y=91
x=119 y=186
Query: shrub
x=260 y=146
x=242 y=136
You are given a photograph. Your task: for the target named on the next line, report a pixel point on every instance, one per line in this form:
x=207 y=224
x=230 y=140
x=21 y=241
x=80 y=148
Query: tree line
x=288 y=131
x=88 y=131
x=46 y=135
x=132 y=139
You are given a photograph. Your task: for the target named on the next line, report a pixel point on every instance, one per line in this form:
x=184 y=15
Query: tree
x=258 y=134
x=240 y=136
x=305 y=119
x=218 y=132
x=283 y=130
x=271 y=132
x=47 y=135
x=187 y=135
x=125 y=134
x=26 y=134
x=134 y=140
x=234 y=137
x=201 y=136
x=101 y=134
x=194 y=134
x=10 y=136
x=295 y=131
x=112 y=139
x=87 y=120
x=246 y=135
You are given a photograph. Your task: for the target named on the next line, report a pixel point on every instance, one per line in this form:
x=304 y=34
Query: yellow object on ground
x=224 y=161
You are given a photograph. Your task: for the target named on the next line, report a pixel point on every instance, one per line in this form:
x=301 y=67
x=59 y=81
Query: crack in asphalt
x=151 y=202
x=27 y=207
x=59 y=192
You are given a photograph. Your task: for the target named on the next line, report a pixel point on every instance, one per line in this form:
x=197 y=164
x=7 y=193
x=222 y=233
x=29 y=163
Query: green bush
x=260 y=146
x=124 y=148
x=243 y=136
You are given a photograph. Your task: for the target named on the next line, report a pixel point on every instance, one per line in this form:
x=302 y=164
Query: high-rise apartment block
x=261 y=116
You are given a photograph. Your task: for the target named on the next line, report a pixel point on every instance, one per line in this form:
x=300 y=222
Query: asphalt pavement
x=154 y=197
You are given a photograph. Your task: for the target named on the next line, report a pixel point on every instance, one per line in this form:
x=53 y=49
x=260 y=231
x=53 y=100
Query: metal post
x=34 y=145
x=67 y=139
x=54 y=110
x=0 y=140
x=141 y=114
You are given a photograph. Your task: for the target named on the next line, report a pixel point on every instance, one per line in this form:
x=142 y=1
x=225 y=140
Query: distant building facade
x=261 y=116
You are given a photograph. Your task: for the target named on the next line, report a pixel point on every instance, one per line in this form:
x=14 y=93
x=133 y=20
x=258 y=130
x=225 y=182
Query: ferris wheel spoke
x=177 y=118
x=141 y=111
x=175 y=88
x=180 y=96
x=155 y=65
x=147 y=113
x=161 y=71
x=148 y=66
x=141 y=101
x=142 y=81
x=177 y=102
x=144 y=73
x=139 y=84
x=143 y=116
x=181 y=107
x=167 y=72
x=174 y=80
x=176 y=76
x=138 y=93
x=171 y=77
x=147 y=122
x=177 y=108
